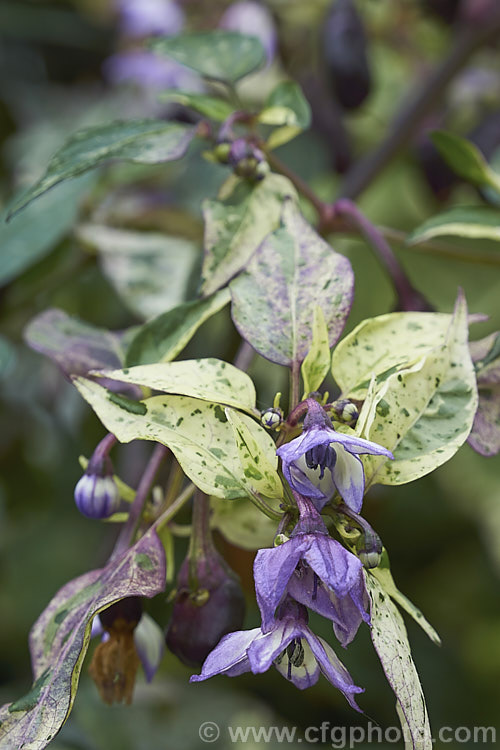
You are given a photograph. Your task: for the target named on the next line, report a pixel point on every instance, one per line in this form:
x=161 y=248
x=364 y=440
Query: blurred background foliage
x=443 y=532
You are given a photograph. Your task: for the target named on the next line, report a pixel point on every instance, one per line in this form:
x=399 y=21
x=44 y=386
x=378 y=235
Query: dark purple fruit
x=345 y=54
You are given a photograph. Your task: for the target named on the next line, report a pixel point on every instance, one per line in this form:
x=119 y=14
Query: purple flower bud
x=144 y=17
x=252 y=18
x=203 y=615
x=96 y=494
x=271 y=418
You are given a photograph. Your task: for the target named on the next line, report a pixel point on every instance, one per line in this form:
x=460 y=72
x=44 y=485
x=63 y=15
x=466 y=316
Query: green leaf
x=236 y=226
x=25 y=240
x=151 y=272
x=257 y=452
x=317 y=362
x=474 y=222
x=161 y=339
x=422 y=411
x=142 y=141
x=288 y=108
x=465 y=159
x=219 y=55
x=384 y=576
x=241 y=523
x=274 y=298
x=208 y=379
x=60 y=638
x=208 y=106
x=197 y=432
x=390 y=640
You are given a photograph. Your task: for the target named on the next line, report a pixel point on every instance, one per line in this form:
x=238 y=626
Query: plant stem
x=244 y=356
x=300 y=184
x=409 y=298
x=129 y=530
x=294 y=386
x=408 y=120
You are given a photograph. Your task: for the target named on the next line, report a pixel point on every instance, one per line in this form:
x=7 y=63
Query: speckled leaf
x=465 y=159
x=219 y=55
x=485 y=434
x=151 y=272
x=384 y=345
x=384 y=576
x=274 y=298
x=208 y=379
x=161 y=339
x=143 y=141
x=241 y=523
x=317 y=362
x=197 y=432
x=424 y=413
x=236 y=225
x=390 y=640
x=208 y=106
x=257 y=452
x=475 y=222
x=76 y=346
x=60 y=637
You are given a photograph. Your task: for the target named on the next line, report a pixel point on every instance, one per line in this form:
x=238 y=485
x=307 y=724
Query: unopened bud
x=96 y=493
x=370 y=558
x=271 y=418
x=345 y=411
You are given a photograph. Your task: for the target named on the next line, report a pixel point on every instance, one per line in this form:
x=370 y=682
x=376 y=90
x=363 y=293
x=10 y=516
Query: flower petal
x=338 y=568
x=316 y=598
x=272 y=570
x=349 y=478
x=229 y=657
x=150 y=645
x=306 y=674
x=332 y=668
x=266 y=648
x=355 y=444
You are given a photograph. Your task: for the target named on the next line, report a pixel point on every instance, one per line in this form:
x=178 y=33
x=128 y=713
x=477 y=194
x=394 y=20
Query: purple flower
x=143 y=17
x=290 y=645
x=252 y=18
x=146 y=69
x=149 y=642
x=320 y=447
x=317 y=571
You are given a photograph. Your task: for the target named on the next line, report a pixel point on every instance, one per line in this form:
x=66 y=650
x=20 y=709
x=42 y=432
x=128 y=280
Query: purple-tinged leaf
x=485 y=435
x=60 y=637
x=76 y=346
x=292 y=271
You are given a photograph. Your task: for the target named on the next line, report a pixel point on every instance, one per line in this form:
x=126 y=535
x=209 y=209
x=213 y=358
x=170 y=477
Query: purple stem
x=129 y=529
x=408 y=297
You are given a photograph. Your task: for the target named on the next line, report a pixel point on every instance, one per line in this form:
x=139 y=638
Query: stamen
x=315 y=587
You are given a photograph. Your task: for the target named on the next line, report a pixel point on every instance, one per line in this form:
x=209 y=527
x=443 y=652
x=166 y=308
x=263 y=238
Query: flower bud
x=271 y=418
x=247 y=160
x=96 y=494
x=202 y=615
x=345 y=54
x=345 y=411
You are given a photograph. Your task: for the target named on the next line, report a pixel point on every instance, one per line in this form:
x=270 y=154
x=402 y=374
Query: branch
x=423 y=101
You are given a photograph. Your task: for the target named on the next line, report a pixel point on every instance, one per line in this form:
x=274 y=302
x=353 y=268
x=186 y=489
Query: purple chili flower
x=296 y=652
x=317 y=571
x=144 y=17
x=252 y=18
x=320 y=447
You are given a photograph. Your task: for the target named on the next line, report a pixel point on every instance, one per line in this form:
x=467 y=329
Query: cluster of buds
x=247 y=160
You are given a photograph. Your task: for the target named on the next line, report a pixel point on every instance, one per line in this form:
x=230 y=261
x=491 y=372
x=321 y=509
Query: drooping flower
x=306 y=459
x=296 y=652
x=148 y=640
x=317 y=571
